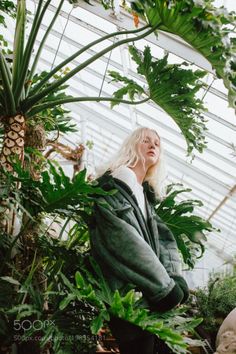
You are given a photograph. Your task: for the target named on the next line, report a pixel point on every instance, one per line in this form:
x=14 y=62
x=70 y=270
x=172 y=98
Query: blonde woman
x=131 y=243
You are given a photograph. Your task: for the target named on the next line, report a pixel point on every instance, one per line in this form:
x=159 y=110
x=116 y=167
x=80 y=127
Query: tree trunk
x=13 y=143
x=12 y=150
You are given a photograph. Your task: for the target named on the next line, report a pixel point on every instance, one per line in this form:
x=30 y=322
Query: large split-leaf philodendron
x=208 y=29
x=20 y=99
x=205 y=27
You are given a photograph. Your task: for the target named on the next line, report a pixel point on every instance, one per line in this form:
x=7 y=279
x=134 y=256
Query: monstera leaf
x=173 y=88
x=59 y=192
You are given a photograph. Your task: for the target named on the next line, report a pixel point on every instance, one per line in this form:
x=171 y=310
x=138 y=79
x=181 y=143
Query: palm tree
x=18 y=99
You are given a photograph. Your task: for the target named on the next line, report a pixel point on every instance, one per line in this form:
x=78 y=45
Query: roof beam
x=166 y=41
x=101 y=33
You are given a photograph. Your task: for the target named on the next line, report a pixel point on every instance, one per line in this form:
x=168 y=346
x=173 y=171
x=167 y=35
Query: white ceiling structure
x=211 y=175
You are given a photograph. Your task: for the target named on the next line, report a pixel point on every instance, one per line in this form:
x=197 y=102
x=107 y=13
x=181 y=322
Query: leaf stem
x=28 y=103
x=51 y=104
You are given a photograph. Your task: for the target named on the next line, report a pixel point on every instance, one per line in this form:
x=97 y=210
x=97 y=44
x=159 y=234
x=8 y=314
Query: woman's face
x=149 y=148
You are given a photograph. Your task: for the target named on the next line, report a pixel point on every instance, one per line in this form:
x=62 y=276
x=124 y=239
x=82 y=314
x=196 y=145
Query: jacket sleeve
x=170 y=257
x=130 y=258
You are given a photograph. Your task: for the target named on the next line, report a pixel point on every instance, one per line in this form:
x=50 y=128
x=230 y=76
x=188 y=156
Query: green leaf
x=22 y=309
x=7 y=7
x=117 y=307
x=42 y=42
x=19 y=39
x=97 y=323
x=131 y=89
x=203 y=27
x=38 y=17
x=105 y=291
x=65 y=302
x=56 y=192
x=56 y=118
x=67 y=282
x=9 y=102
x=174 y=89
x=79 y=280
x=189 y=229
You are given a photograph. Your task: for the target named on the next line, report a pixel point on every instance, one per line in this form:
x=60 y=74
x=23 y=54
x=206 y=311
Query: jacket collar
x=108 y=182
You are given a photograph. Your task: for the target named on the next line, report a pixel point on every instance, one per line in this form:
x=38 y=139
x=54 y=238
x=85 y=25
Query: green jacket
x=131 y=250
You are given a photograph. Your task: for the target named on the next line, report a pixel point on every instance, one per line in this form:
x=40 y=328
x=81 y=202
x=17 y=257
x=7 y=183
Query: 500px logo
x=28 y=324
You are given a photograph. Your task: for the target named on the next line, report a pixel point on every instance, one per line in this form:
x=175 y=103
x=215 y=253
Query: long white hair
x=128 y=155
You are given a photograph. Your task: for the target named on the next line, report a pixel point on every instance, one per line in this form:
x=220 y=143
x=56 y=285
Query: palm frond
x=9 y=101
x=19 y=84
x=19 y=41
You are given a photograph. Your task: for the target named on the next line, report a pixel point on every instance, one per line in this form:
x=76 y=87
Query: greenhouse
x=118 y=176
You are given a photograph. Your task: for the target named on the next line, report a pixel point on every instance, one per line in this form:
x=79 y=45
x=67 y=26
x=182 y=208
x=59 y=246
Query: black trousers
x=143 y=345
x=132 y=339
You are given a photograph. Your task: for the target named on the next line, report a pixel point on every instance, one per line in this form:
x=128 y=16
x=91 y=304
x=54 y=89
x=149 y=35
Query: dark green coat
x=130 y=249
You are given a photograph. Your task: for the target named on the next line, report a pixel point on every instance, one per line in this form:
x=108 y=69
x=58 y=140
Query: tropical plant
x=78 y=304
x=206 y=28
x=189 y=229
x=21 y=99
x=37 y=276
x=48 y=286
x=173 y=88
x=7 y=7
x=28 y=274
x=220 y=291
x=202 y=25
x=31 y=102
x=56 y=118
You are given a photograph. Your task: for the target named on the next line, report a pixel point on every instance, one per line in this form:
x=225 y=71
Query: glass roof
x=211 y=175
